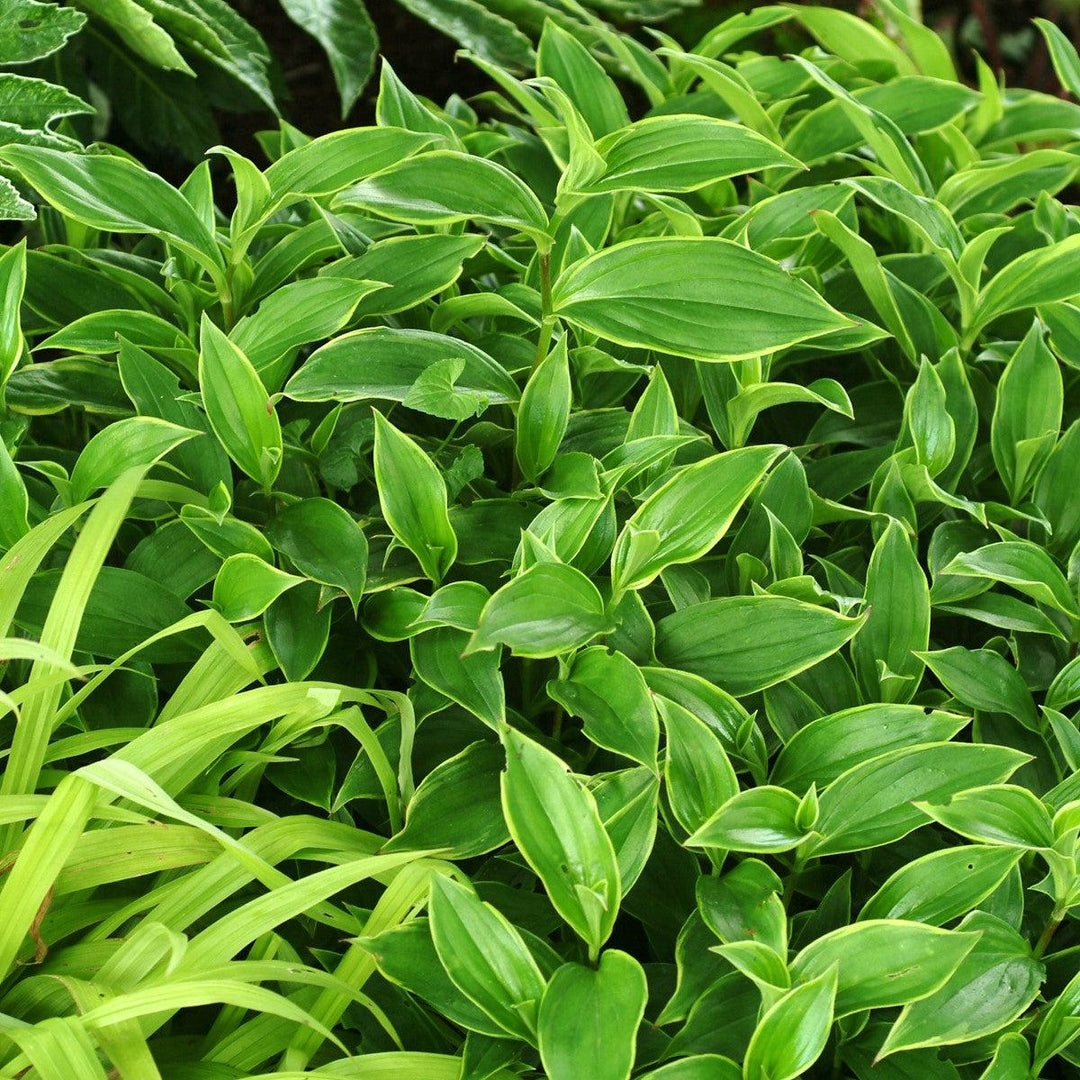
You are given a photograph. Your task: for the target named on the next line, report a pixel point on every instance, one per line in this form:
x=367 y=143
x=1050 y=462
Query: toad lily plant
x=579 y=586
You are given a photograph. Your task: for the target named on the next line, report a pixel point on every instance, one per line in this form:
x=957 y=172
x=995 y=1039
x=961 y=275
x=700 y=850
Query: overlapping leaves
x=527 y=596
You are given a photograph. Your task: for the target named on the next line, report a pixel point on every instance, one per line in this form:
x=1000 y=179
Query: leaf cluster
x=552 y=586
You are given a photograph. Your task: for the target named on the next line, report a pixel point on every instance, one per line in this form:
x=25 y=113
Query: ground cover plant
x=168 y=70
x=568 y=584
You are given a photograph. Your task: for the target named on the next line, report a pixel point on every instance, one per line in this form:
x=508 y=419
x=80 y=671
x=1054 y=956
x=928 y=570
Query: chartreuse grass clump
x=554 y=589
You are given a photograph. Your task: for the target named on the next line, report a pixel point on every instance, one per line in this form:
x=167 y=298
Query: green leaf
x=297 y=626
x=829 y=746
x=716 y=708
x=456 y=809
x=1036 y=277
x=697 y=1067
x=746 y=643
x=13 y=207
x=296 y=315
x=35 y=103
x=914 y=104
x=477 y=28
x=485 y=958
x=326 y=165
x=792 y=1034
x=238 y=407
x=414 y=268
x=943 y=885
x=984 y=680
x=589 y=1018
x=927 y=416
x=561 y=57
x=687 y=516
x=324 y=543
x=697 y=774
x=549 y=609
x=384 y=363
x=398 y=106
x=872 y=803
x=135 y=26
x=554 y=821
x=345 y=31
x=883 y=963
x=627 y=802
x=1011 y=1058
x=925 y=46
x=885 y=651
x=413 y=499
x=472 y=679
x=762 y=819
x=1062 y=55
x=30 y=30
x=246 y=586
x=998 y=814
x=138 y=440
x=745 y=905
x=213 y=30
x=994 y=983
x=114 y=194
x=406 y=956
x=435 y=392
x=12 y=288
x=1053 y=490
x=1022 y=566
x=102 y=332
x=609 y=693
x=14 y=502
x=1060 y=1025
x=123 y=610
x=686 y=297
x=1027 y=414
x=885 y=137
x=681 y=153
x=543 y=413
x=852 y=38
x=444 y=187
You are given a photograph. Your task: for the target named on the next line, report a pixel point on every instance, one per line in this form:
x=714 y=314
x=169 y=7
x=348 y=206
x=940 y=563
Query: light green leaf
x=485 y=958
x=688 y=296
x=444 y=187
x=30 y=30
x=238 y=407
x=994 y=983
x=883 y=963
x=681 y=153
x=687 y=516
x=589 y=1019
x=554 y=821
x=413 y=499
x=897 y=627
x=746 y=643
x=114 y=194
x=549 y=609
x=792 y=1034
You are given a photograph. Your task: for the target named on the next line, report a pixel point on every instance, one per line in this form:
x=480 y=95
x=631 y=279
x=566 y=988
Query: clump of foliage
x=165 y=67
x=564 y=591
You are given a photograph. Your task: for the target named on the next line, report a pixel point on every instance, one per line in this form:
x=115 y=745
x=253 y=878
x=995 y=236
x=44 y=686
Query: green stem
x=1052 y=924
x=797 y=867
x=547 y=323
